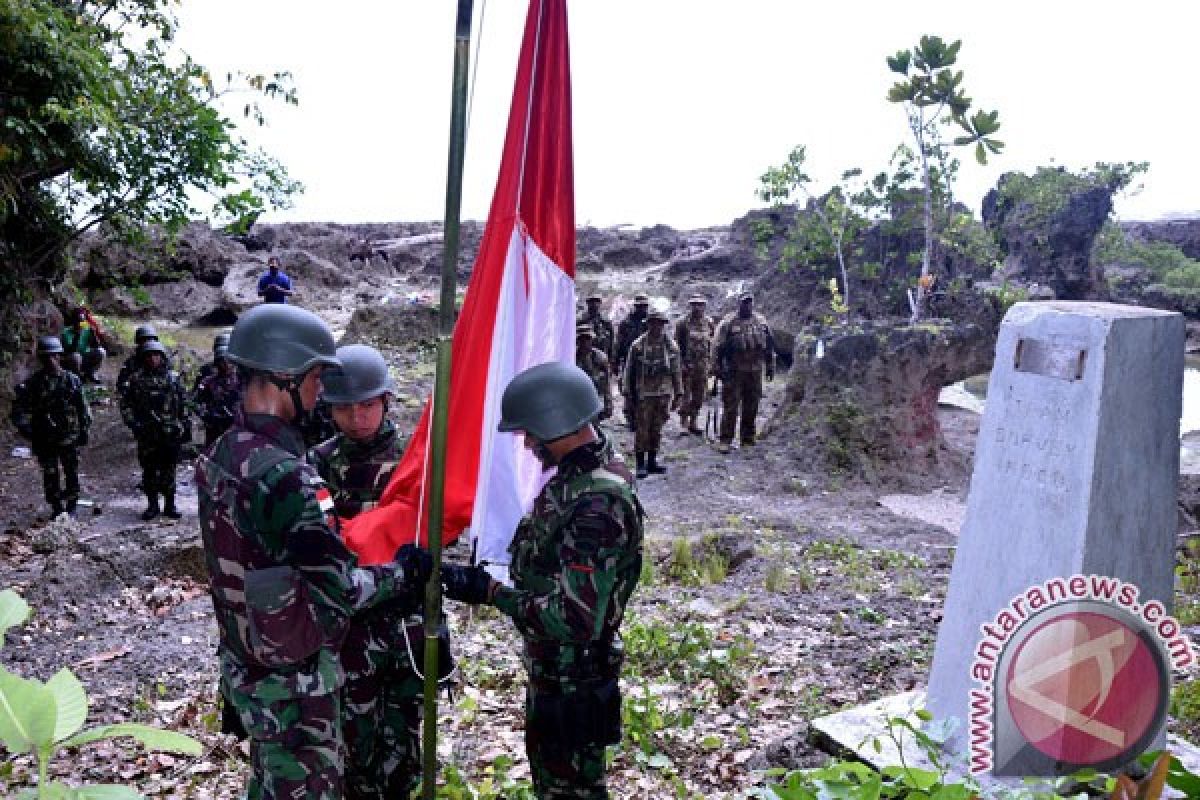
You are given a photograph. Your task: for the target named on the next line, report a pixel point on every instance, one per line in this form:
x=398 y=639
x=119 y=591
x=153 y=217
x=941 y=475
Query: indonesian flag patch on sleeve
x=324 y=500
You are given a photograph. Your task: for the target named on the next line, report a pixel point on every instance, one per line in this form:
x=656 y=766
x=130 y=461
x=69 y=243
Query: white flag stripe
x=535 y=323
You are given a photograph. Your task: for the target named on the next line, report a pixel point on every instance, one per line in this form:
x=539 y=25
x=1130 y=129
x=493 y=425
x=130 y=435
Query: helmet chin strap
x=292 y=387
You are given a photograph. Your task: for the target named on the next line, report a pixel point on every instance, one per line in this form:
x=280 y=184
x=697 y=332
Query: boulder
x=398 y=325
x=862 y=400
x=186 y=301
x=1051 y=246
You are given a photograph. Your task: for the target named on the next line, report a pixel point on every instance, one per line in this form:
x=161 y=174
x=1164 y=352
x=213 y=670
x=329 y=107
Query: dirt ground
x=769 y=597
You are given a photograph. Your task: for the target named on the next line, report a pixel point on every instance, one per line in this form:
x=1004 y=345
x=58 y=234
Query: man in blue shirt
x=275 y=286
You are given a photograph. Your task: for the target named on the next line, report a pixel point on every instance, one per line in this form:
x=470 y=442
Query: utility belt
x=553 y=663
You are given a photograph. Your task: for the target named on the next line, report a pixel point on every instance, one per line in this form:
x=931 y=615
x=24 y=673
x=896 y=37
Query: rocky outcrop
x=862 y=401
x=400 y=324
x=1051 y=247
x=1183 y=233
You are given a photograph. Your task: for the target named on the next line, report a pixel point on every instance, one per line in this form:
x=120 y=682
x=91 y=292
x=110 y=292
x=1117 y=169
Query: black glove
x=416 y=563
x=467 y=584
x=81 y=439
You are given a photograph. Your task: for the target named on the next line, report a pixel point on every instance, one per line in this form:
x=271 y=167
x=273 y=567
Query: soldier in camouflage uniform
x=633 y=326
x=50 y=410
x=218 y=397
x=221 y=340
x=602 y=328
x=83 y=353
x=284 y=585
x=653 y=383
x=155 y=409
x=743 y=350
x=575 y=561
x=592 y=360
x=382 y=696
x=694 y=335
x=141 y=335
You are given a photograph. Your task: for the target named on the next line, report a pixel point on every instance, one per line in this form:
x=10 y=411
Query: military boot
x=640 y=457
x=169 y=509
x=652 y=465
x=151 y=507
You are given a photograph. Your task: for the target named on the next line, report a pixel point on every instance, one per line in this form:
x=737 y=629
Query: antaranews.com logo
x=1074 y=673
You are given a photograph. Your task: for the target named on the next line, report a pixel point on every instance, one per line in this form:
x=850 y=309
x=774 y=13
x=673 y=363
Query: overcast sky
x=680 y=106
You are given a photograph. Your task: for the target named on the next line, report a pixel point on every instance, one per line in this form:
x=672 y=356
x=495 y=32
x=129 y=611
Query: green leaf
x=70 y=701
x=711 y=742
x=150 y=738
x=13 y=611
x=27 y=714
x=980 y=153
x=106 y=791
x=923 y=714
x=954 y=791
x=921 y=779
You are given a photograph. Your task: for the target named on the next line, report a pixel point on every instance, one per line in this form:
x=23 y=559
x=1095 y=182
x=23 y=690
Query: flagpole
x=441 y=390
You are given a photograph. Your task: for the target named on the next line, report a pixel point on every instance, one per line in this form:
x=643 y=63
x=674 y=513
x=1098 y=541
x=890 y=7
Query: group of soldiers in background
x=51 y=410
x=659 y=373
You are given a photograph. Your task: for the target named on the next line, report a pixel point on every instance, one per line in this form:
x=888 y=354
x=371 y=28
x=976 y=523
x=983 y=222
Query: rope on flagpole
x=475 y=69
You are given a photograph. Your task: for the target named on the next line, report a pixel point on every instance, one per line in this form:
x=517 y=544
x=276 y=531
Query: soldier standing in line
x=218 y=396
x=50 y=410
x=744 y=350
x=221 y=340
x=601 y=326
x=653 y=384
x=633 y=326
x=575 y=561
x=284 y=585
x=155 y=410
x=592 y=360
x=694 y=335
x=381 y=721
x=144 y=333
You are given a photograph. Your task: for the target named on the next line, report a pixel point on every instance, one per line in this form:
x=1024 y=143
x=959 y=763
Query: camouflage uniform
x=694 y=337
x=593 y=361
x=84 y=354
x=382 y=695
x=652 y=378
x=284 y=586
x=154 y=408
x=602 y=329
x=217 y=399
x=633 y=326
x=50 y=410
x=575 y=560
x=742 y=347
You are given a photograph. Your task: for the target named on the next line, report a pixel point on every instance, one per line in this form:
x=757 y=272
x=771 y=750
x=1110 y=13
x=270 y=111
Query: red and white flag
x=519 y=311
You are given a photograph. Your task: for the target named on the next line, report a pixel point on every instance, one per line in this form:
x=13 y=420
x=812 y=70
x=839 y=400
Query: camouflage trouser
x=381 y=714
x=158 y=461
x=741 y=392
x=652 y=413
x=295 y=746
x=49 y=458
x=561 y=770
x=695 y=386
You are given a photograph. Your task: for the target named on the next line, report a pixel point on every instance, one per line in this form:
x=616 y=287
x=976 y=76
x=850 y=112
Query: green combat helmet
x=549 y=401
x=48 y=345
x=362 y=376
x=143 y=333
x=282 y=339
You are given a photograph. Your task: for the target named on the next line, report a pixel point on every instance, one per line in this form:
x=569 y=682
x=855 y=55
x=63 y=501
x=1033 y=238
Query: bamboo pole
x=441 y=391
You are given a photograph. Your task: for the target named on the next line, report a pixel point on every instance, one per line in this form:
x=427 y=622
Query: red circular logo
x=1084 y=688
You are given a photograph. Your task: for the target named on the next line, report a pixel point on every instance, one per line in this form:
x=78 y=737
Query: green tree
x=934 y=104
x=104 y=121
x=824 y=224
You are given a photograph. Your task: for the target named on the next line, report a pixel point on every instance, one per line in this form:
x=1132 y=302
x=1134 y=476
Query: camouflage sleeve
x=290 y=506
x=591 y=548
x=79 y=400
x=676 y=361
x=718 y=337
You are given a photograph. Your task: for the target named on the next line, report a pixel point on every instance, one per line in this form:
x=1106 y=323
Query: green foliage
x=1047 y=191
x=1163 y=260
x=496 y=784
x=689 y=568
x=935 y=104
x=43 y=718
x=106 y=122
x=1007 y=294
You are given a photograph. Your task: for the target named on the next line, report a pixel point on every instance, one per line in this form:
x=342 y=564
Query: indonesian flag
x=519 y=312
